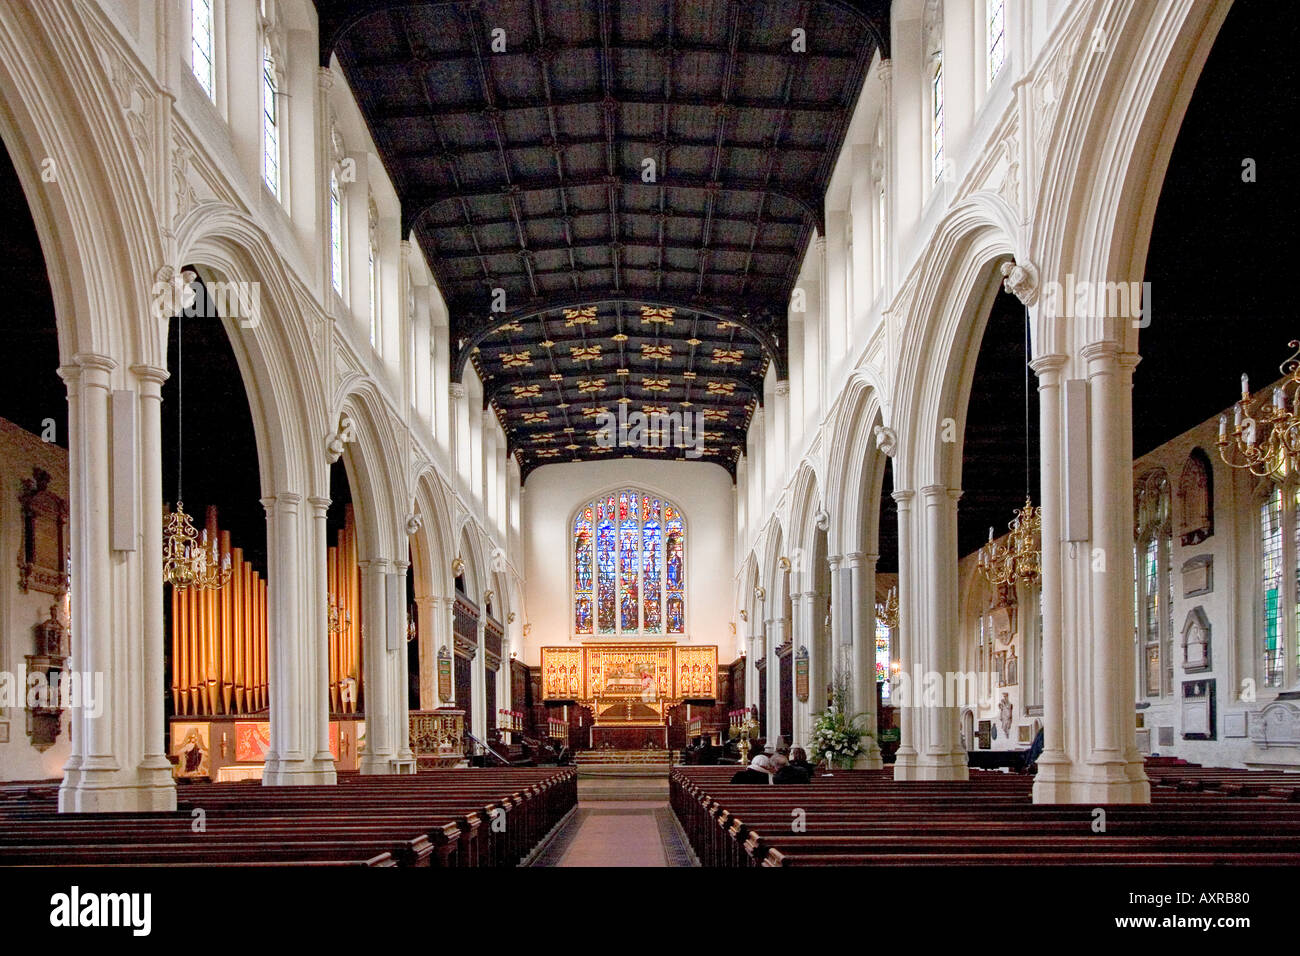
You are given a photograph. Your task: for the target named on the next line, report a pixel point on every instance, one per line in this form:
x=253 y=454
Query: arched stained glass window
x=628 y=566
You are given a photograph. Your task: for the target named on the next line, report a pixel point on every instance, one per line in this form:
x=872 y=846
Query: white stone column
x=905 y=759
x=398 y=662
x=775 y=638
x=292 y=652
x=1107 y=767
x=1051 y=784
x=154 y=773
x=381 y=746
x=478 y=680
x=839 y=621
x=939 y=753
x=116 y=761
x=316 y=621
x=805 y=636
x=862 y=586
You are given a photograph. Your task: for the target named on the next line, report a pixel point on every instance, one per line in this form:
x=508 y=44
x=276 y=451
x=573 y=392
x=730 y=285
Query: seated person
x=758 y=771
x=799 y=760
x=1035 y=751
x=786 y=772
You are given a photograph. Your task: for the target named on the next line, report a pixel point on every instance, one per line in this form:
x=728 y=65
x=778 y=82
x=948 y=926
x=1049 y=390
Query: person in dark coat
x=799 y=760
x=785 y=772
x=758 y=771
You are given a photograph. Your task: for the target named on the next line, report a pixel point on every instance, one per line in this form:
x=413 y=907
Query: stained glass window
x=1270 y=536
x=634 y=543
x=582 y=546
x=652 y=560
x=629 y=546
x=1154 y=584
x=606 y=572
x=675 y=606
x=201 y=53
x=997 y=36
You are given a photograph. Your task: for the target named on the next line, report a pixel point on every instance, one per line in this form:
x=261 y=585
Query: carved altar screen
x=645 y=672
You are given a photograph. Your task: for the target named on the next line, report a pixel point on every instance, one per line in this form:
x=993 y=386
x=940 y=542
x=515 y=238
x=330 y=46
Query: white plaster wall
x=705 y=495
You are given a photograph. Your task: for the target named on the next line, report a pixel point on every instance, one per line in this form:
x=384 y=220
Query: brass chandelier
x=190 y=560
x=1020 y=558
x=339 y=619
x=887 y=610
x=1266 y=441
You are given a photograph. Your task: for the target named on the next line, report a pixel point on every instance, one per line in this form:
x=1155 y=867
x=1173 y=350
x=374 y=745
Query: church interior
x=511 y=433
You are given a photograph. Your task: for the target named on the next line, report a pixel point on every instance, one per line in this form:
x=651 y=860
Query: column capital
x=1100 y=352
x=319 y=505
x=150 y=375
x=833 y=560
x=1047 y=366
x=457 y=390
x=324 y=78
x=783 y=387
x=934 y=491
x=902 y=495
x=860 y=559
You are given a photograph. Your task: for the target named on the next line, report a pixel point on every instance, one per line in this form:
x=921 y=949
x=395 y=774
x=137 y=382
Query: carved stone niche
x=1196 y=641
x=43 y=554
x=1276 y=725
x=1198 y=575
x=1194 y=521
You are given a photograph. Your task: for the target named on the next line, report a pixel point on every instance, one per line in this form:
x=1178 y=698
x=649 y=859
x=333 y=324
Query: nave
x=464 y=435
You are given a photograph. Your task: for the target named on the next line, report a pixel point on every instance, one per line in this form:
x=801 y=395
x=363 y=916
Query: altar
x=629 y=687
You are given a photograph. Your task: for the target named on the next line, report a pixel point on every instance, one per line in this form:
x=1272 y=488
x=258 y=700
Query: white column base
x=905 y=764
x=870 y=758
x=291 y=773
x=376 y=765
x=950 y=766
x=1095 y=784
x=100 y=791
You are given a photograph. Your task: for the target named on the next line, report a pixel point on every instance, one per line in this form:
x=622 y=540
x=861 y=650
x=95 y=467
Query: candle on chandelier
x=1223 y=428
x=1245 y=386
x=1279 y=399
x=1236 y=415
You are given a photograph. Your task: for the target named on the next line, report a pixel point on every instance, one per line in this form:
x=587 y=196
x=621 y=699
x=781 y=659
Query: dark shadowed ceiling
x=615 y=195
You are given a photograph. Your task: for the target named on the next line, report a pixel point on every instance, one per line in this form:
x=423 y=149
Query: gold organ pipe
x=181 y=665
x=263 y=696
x=227 y=648
x=332 y=576
x=352 y=578
x=236 y=588
x=208 y=686
x=192 y=602
x=176 y=653
x=250 y=640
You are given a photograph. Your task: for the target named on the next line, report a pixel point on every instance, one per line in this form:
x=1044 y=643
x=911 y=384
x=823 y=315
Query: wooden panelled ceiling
x=615 y=195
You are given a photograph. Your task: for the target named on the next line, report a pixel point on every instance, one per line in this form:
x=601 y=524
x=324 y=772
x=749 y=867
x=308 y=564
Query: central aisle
x=634 y=833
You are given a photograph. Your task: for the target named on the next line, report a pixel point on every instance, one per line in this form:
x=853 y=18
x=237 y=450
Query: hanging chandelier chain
x=190 y=559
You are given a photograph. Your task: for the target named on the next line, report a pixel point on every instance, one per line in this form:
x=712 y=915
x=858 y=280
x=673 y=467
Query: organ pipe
x=220 y=638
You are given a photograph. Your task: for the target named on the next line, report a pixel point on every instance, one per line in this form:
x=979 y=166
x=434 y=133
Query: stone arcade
x=634 y=380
